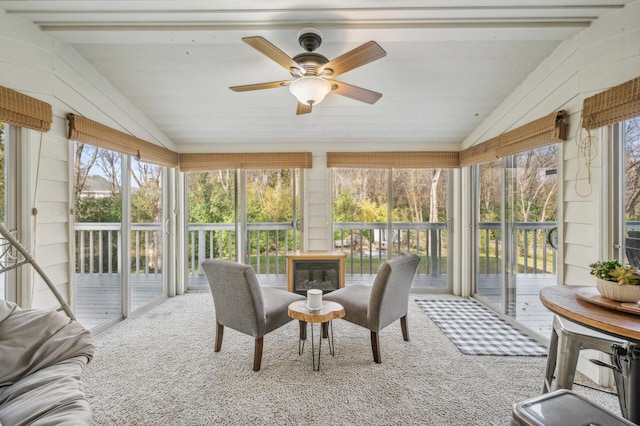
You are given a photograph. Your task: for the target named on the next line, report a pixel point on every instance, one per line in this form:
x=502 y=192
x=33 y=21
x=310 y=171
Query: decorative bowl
x=620 y=293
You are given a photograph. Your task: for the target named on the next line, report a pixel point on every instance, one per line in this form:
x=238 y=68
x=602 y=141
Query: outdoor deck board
x=98 y=296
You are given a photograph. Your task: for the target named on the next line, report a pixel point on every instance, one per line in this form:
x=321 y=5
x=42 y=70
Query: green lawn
x=355 y=264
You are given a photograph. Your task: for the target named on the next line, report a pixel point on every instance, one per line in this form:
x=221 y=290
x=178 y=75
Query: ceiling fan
x=313 y=73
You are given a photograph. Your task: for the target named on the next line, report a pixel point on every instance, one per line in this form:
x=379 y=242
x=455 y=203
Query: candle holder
x=314 y=299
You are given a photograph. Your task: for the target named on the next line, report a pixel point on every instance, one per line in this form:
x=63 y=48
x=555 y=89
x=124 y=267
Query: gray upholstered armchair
x=375 y=307
x=242 y=305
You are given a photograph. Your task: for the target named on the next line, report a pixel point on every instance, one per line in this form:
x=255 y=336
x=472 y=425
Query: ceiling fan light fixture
x=310 y=90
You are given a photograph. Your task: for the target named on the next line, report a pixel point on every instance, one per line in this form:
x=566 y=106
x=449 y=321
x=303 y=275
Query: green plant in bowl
x=616 y=281
x=602 y=269
x=625 y=275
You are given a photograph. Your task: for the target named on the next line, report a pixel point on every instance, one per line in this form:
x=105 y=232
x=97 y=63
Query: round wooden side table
x=328 y=312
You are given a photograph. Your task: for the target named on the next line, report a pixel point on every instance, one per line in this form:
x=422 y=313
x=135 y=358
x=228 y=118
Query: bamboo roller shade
x=393 y=160
x=540 y=132
x=88 y=131
x=24 y=111
x=612 y=106
x=264 y=160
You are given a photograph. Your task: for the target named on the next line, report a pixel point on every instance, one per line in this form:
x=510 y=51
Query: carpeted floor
x=476 y=330
x=160 y=368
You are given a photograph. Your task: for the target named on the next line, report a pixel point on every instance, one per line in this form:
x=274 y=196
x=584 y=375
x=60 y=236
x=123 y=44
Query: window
x=3 y=203
x=8 y=202
x=380 y=213
x=626 y=189
x=250 y=216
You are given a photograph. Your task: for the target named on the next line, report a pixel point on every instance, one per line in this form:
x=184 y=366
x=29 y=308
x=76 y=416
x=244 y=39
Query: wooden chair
x=241 y=304
x=375 y=307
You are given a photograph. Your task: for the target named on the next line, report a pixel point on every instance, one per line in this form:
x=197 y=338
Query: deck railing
x=366 y=245
x=99 y=246
x=535 y=253
x=266 y=246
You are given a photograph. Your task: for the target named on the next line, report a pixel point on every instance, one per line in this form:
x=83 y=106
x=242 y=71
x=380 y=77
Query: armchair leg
x=219 y=334
x=375 y=346
x=405 y=330
x=257 y=354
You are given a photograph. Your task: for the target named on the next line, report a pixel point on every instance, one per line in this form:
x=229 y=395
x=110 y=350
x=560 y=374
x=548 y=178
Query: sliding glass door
x=98 y=235
x=147 y=236
x=489 y=265
x=120 y=215
x=516 y=229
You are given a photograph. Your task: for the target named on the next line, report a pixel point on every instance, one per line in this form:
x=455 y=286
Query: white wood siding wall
x=317 y=206
x=602 y=56
x=49 y=153
x=33 y=63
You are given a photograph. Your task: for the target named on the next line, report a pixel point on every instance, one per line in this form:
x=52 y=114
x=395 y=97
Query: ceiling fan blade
x=355 y=92
x=303 y=108
x=355 y=58
x=260 y=86
x=265 y=47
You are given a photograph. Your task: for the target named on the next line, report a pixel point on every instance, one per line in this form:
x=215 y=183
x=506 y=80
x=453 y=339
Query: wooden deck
x=527 y=311
x=99 y=296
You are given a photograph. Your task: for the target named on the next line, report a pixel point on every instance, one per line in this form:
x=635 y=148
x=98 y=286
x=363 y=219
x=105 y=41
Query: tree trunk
x=433 y=201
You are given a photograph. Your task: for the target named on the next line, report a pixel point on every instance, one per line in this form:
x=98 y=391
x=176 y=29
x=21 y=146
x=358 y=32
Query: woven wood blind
x=88 y=131
x=612 y=106
x=393 y=160
x=265 y=160
x=544 y=131
x=24 y=111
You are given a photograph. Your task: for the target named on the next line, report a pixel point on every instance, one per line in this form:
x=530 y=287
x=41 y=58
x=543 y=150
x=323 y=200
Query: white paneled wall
x=52 y=203
x=317 y=206
x=602 y=56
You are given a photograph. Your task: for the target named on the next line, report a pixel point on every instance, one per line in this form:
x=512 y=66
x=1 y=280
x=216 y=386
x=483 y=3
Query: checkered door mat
x=476 y=330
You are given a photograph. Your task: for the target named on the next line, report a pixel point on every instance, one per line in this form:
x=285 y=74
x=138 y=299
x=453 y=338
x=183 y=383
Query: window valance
x=24 y=111
x=88 y=131
x=543 y=131
x=612 y=106
x=394 y=160
x=264 y=160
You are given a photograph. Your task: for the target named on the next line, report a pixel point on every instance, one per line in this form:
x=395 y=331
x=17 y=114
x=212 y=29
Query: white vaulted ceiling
x=449 y=63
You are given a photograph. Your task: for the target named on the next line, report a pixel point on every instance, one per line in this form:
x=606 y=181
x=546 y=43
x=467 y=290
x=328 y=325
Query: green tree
x=211 y=196
x=93 y=209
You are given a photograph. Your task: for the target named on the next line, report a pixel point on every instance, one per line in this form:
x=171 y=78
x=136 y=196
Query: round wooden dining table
x=582 y=306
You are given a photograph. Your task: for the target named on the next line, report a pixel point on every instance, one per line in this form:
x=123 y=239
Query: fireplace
x=323 y=271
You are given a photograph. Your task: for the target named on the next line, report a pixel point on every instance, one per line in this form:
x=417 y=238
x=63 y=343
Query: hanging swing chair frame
x=13 y=255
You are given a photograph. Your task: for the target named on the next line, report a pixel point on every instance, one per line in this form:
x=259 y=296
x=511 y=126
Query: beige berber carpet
x=160 y=369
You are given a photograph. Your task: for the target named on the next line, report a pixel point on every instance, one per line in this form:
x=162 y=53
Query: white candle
x=314 y=299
